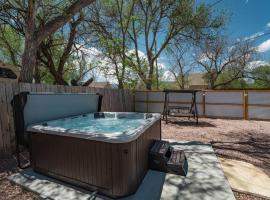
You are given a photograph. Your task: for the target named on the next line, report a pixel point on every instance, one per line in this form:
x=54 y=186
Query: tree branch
x=53 y=25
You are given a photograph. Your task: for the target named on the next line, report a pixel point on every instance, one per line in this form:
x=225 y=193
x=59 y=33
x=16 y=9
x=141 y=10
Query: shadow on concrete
x=205 y=178
x=252 y=149
x=50 y=188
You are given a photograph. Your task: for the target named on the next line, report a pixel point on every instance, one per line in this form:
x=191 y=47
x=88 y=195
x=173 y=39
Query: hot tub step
x=166 y=159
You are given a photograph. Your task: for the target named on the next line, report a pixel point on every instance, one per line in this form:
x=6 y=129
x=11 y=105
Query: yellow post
x=245 y=105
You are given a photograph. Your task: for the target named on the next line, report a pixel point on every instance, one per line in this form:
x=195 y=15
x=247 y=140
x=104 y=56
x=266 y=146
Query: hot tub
x=107 y=152
x=102 y=151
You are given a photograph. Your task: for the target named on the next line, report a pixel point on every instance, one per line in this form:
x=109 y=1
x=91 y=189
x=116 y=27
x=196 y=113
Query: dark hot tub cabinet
x=111 y=165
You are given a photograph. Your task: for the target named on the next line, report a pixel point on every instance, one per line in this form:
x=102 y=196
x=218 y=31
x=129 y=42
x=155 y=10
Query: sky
x=248 y=19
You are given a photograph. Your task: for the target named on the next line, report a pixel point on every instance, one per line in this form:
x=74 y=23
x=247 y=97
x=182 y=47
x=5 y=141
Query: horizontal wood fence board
x=113 y=100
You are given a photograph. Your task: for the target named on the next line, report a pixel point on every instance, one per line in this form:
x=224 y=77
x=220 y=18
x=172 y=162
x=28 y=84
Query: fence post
x=203 y=102
x=245 y=99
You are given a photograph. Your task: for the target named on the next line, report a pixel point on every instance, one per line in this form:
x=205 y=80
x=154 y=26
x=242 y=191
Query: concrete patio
x=205 y=180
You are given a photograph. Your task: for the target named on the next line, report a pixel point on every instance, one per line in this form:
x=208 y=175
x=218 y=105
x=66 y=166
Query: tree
x=178 y=66
x=261 y=76
x=223 y=61
x=108 y=23
x=55 y=51
x=12 y=13
x=168 y=20
x=236 y=84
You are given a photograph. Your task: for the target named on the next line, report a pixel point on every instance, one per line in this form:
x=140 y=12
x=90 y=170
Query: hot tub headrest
x=31 y=108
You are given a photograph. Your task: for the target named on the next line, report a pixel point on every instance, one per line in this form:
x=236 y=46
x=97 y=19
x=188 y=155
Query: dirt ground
x=237 y=139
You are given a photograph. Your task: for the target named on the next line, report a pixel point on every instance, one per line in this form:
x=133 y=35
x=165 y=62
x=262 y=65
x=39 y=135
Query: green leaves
x=11 y=44
x=261 y=76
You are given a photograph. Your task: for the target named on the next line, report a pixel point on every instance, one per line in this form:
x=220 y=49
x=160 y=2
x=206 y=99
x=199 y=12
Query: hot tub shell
x=113 y=167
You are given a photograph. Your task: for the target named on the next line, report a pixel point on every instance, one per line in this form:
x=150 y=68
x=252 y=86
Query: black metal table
x=191 y=111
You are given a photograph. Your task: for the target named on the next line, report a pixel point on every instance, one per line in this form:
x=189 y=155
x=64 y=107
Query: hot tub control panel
x=163 y=157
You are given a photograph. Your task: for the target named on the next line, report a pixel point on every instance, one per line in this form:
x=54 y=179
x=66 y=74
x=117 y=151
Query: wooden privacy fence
x=238 y=104
x=113 y=100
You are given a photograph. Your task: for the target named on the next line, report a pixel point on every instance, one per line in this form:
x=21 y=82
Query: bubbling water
x=97 y=125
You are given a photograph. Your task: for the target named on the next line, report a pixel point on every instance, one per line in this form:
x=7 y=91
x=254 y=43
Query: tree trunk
x=150 y=75
x=183 y=82
x=120 y=84
x=212 y=84
x=34 y=37
x=37 y=75
x=59 y=79
x=28 y=62
x=29 y=56
x=148 y=84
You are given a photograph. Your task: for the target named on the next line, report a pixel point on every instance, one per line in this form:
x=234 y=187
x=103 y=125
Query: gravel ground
x=244 y=140
x=9 y=191
x=242 y=196
x=236 y=139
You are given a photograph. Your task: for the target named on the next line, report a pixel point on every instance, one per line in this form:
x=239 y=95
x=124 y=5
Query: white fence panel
x=261 y=97
x=199 y=97
x=224 y=111
x=199 y=106
x=232 y=100
x=200 y=109
x=156 y=96
x=155 y=107
x=234 y=97
x=223 y=104
x=259 y=105
x=140 y=96
x=140 y=107
x=255 y=112
x=180 y=97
